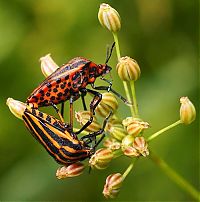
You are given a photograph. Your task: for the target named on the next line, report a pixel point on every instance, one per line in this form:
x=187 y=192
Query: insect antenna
x=109 y=52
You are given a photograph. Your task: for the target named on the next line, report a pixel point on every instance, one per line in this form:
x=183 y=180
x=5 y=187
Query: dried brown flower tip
x=141 y=146
x=16 y=107
x=109 y=18
x=108 y=103
x=48 y=66
x=83 y=116
x=187 y=111
x=112 y=185
x=134 y=126
x=101 y=158
x=72 y=170
x=112 y=144
x=128 y=69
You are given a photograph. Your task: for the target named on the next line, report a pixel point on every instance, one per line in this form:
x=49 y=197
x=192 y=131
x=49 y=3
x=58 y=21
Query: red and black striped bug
x=58 y=139
x=69 y=83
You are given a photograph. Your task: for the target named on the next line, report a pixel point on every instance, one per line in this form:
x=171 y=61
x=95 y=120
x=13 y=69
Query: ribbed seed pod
x=131 y=151
x=83 y=116
x=111 y=143
x=141 y=146
x=48 y=66
x=108 y=104
x=72 y=170
x=101 y=158
x=187 y=111
x=134 y=126
x=112 y=185
x=128 y=69
x=109 y=18
x=16 y=107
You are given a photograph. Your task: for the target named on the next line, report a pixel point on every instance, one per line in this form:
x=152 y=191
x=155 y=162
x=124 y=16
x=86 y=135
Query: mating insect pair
x=68 y=82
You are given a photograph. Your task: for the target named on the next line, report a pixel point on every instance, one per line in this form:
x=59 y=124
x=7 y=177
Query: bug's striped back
x=54 y=137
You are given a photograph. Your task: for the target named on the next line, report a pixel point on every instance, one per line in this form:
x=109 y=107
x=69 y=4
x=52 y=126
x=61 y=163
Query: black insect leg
x=83 y=93
x=96 y=100
x=92 y=136
x=109 y=89
x=57 y=110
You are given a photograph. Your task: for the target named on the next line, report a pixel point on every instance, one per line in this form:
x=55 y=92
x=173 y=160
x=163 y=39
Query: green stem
x=128 y=170
x=135 y=106
x=174 y=176
x=128 y=97
x=163 y=130
x=116 y=45
x=124 y=82
x=117 y=154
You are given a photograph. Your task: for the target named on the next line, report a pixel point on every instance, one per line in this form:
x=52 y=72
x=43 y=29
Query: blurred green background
x=162 y=35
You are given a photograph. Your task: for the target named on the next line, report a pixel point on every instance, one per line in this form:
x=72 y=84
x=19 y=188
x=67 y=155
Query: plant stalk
x=163 y=130
x=175 y=177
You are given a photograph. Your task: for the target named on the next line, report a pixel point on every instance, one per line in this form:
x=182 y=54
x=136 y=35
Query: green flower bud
x=187 y=111
x=112 y=185
x=48 y=66
x=72 y=170
x=101 y=158
x=83 y=116
x=108 y=103
x=127 y=141
x=128 y=69
x=117 y=132
x=109 y=18
x=16 y=107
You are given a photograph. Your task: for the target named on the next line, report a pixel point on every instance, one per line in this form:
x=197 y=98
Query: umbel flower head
x=16 y=107
x=109 y=18
x=187 y=111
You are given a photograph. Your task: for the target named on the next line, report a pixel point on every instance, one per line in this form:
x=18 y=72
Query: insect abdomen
x=60 y=145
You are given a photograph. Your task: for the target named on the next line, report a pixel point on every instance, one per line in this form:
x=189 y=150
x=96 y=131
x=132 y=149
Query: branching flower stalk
x=133 y=145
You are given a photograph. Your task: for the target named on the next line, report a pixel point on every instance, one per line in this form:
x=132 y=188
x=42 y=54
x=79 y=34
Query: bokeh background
x=162 y=35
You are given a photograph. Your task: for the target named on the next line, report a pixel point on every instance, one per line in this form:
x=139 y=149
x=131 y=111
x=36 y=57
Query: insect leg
x=96 y=100
x=92 y=136
x=62 y=109
x=83 y=93
x=57 y=110
x=109 y=89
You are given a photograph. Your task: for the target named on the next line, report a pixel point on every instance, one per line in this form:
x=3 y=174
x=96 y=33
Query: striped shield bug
x=69 y=83
x=58 y=139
